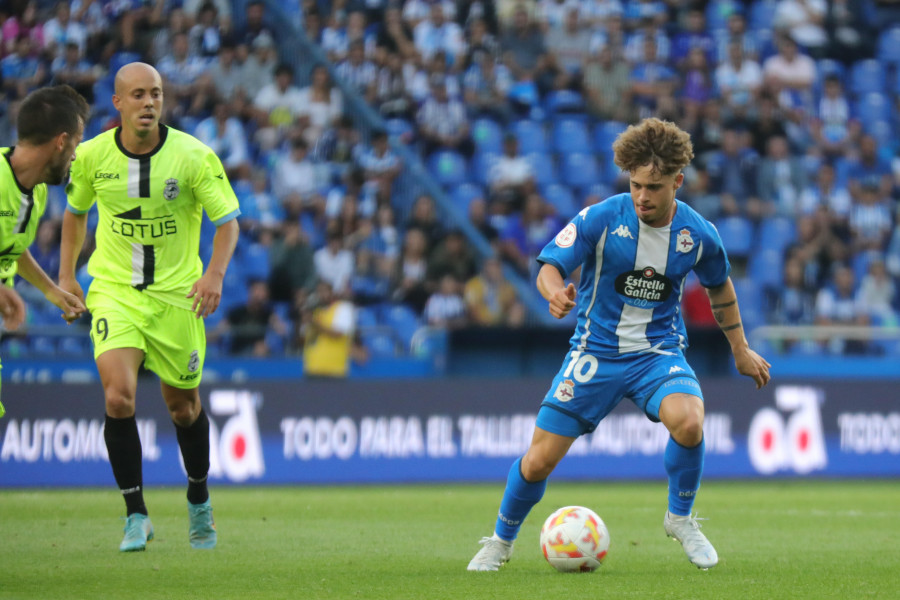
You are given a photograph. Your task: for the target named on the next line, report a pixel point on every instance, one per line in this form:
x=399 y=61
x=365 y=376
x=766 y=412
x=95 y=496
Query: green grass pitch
x=792 y=539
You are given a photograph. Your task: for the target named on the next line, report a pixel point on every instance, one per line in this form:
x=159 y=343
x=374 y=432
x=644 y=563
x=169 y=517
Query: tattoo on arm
x=723 y=305
x=719 y=315
x=730 y=327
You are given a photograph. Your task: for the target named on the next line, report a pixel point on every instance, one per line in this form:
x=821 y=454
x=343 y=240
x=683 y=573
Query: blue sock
x=518 y=499
x=685 y=467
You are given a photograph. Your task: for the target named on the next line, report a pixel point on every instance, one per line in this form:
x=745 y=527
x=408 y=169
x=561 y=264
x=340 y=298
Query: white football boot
x=492 y=555
x=686 y=530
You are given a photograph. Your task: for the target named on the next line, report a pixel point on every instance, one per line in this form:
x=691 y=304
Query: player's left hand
x=753 y=365
x=207 y=293
x=70 y=304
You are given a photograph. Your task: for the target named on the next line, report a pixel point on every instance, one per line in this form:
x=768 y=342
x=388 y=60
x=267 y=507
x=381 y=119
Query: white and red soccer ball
x=574 y=539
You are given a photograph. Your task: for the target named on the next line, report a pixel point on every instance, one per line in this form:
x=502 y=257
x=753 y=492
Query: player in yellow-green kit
x=151 y=185
x=50 y=124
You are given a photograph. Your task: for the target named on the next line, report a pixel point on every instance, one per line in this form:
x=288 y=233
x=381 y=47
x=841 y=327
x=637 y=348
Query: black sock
x=194 y=443
x=125 y=455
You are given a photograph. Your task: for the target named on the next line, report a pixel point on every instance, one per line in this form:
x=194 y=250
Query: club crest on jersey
x=194 y=361
x=566 y=237
x=565 y=391
x=171 y=190
x=684 y=242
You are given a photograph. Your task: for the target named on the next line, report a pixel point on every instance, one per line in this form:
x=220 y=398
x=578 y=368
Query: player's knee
x=536 y=468
x=184 y=414
x=690 y=433
x=119 y=403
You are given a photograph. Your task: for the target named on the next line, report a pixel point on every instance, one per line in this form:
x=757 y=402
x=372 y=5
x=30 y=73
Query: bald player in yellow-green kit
x=50 y=125
x=149 y=293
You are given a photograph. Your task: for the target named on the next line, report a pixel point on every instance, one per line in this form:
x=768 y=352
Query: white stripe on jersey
x=652 y=251
x=598 y=251
x=134 y=178
x=137 y=260
x=24 y=203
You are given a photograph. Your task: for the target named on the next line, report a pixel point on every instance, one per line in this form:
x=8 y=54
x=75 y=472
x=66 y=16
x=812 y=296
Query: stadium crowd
x=513 y=105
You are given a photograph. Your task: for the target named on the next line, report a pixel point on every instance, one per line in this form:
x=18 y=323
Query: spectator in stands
x=607 y=86
x=411 y=269
x=478 y=217
x=511 y=178
x=479 y=43
x=817 y=248
x=870 y=219
x=851 y=30
x=312 y=25
x=21 y=71
x=486 y=84
x=698 y=195
x=782 y=179
x=651 y=80
x=334 y=263
x=321 y=104
x=828 y=195
x=73 y=70
x=453 y=256
x=391 y=97
x=439 y=33
x=247 y=326
x=61 y=30
x=259 y=63
x=338 y=147
x=193 y=10
x=833 y=130
x=358 y=72
x=329 y=334
x=789 y=72
x=795 y=304
x=395 y=37
x=697 y=84
x=291 y=263
x=636 y=48
x=380 y=164
x=768 y=123
x=207 y=32
x=385 y=240
x=181 y=72
x=707 y=130
x=259 y=208
x=255 y=23
x=443 y=123
x=869 y=168
x=739 y=80
x=277 y=105
x=225 y=74
x=27 y=24
x=525 y=235
x=803 y=21
x=491 y=300
x=877 y=294
x=693 y=36
x=226 y=136
x=334 y=37
x=892 y=260
x=522 y=46
x=446 y=308
x=567 y=48
x=733 y=173
x=295 y=182
x=161 y=43
x=423 y=216
x=353 y=227
x=736 y=31
x=838 y=304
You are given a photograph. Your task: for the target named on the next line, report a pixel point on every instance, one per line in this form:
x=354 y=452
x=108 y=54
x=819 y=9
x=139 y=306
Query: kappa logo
x=623 y=232
x=675 y=369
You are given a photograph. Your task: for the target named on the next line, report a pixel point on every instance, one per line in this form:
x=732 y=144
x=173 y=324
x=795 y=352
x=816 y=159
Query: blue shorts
x=588 y=387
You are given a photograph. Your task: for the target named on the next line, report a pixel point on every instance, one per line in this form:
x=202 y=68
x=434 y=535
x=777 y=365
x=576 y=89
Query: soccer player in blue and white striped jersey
x=635 y=251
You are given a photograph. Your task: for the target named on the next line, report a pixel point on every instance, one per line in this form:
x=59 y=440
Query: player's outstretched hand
x=753 y=365
x=69 y=303
x=562 y=301
x=207 y=293
x=12 y=309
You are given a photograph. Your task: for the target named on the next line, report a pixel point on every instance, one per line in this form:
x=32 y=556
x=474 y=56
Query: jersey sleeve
x=213 y=190
x=574 y=242
x=80 y=189
x=713 y=267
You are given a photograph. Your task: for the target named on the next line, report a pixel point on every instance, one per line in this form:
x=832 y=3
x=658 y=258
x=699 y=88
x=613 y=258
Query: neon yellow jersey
x=150 y=208
x=20 y=212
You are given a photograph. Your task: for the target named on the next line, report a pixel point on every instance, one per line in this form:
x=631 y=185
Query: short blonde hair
x=661 y=144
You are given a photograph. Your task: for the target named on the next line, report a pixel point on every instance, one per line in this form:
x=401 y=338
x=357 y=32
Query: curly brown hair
x=661 y=144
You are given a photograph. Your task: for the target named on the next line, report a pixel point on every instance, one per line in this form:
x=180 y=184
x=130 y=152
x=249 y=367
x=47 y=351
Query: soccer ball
x=574 y=539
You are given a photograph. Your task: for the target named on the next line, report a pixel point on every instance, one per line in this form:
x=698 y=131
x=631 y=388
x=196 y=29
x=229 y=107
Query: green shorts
x=173 y=339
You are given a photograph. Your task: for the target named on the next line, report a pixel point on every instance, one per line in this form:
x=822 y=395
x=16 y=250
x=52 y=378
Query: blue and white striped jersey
x=633 y=275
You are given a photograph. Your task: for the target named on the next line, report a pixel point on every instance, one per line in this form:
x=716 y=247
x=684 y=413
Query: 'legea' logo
x=236 y=452
x=796 y=443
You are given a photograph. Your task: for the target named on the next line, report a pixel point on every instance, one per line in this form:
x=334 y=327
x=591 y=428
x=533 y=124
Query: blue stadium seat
x=883 y=132
x=487 y=135
x=762 y=13
x=400 y=128
x=872 y=107
x=366 y=317
x=380 y=343
x=120 y=59
x=599 y=190
x=255 y=261
x=531 y=136
x=767 y=267
x=103 y=93
x=561 y=198
x=750 y=300
x=737 y=235
x=580 y=170
x=448 y=168
x=777 y=233
x=718 y=11
x=888 y=50
x=605 y=134
x=543 y=167
x=465 y=193
x=570 y=136
x=404 y=322
x=866 y=76
x=562 y=102
x=482 y=163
